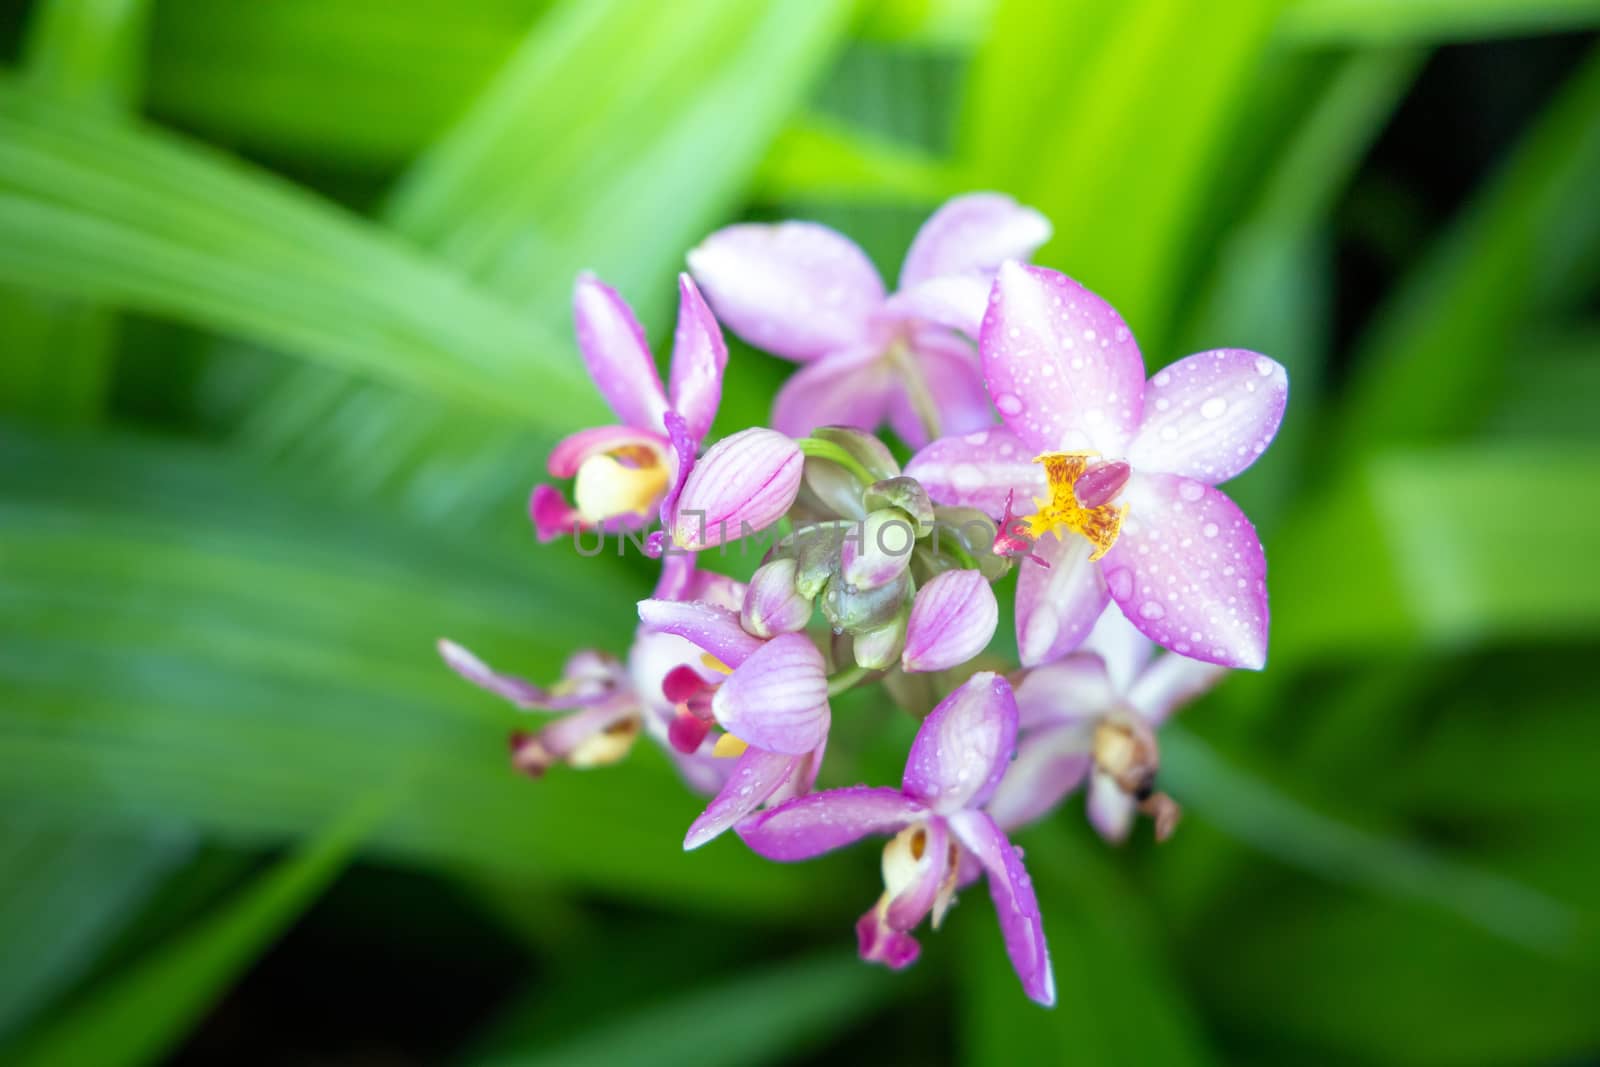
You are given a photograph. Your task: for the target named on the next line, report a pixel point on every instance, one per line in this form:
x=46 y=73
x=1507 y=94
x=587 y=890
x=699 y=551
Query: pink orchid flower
x=959 y=757
x=1123 y=471
x=624 y=475
x=770 y=697
x=609 y=703
x=1092 y=716
x=807 y=293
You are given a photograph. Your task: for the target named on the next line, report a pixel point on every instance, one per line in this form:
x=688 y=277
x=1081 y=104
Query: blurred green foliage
x=284 y=335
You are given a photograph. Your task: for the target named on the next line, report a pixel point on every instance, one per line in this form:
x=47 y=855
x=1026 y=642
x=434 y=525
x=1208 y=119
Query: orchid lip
x=1063 y=511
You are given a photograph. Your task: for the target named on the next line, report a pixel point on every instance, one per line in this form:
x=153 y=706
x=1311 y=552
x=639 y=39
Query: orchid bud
x=855 y=610
x=906 y=494
x=816 y=554
x=879 y=649
x=830 y=489
x=772 y=604
x=952 y=620
x=877 y=549
x=745 y=483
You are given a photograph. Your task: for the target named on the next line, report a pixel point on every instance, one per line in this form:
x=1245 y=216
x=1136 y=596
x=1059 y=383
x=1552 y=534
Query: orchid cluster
x=1038 y=447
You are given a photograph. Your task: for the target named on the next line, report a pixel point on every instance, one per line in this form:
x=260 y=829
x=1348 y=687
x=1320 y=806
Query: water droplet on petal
x=1008 y=404
x=1121 y=583
x=1151 y=610
x=1210 y=529
x=1214 y=407
x=1191 y=490
x=1264 y=366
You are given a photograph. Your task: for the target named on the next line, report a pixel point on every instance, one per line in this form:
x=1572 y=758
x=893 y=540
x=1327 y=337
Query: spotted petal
x=821 y=822
x=1210 y=415
x=756 y=776
x=613 y=347
x=795 y=289
x=1057 y=605
x=1062 y=367
x=1014 y=902
x=1189 y=573
x=964 y=745
x=978 y=470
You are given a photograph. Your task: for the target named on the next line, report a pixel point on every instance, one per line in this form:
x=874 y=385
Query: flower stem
x=846 y=679
x=811 y=446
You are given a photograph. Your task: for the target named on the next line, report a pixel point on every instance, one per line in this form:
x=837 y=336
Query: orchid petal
x=1189 y=573
x=973 y=233
x=1062 y=367
x=796 y=289
x=955 y=302
x=744 y=483
x=1071 y=690
x=821 y=822
x=1171 y=682
x=914 y=873
x=614 y=350
x=1210 y=415
x=1121 y=647
x=1014 y=902
x=952 y=619
x=1057 y=605
x=964 y=745
x=552 y=516
x=713 y=629
x=1110 y=809
x=850 y=387
x=777 y=699
x=953 y=380
x=680 y=466
x=699 y=357
x=756 y=776
x=1050 y=764
x=978 y=470
x=521 y=692
x=572 y=450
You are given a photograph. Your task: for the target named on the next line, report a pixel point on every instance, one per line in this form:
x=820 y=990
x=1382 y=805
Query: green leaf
x=135 y=1017
x=1320 y=23
x=1252 y=811
x=69 y=889
x=1440 y=547
x=765 y=1015
x=1118 y=1001
x=1435 y=359
x=337 y=83
x=1120 y=148
x=59 y=352
x=822 y=159
x=128 y=216
x=524 y=198
x=194 y=641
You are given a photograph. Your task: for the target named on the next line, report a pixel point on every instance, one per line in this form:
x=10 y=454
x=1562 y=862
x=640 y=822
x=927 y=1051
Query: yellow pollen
x=606 y=487
x=1061 y=511
x=728 y=745
x=715 y=664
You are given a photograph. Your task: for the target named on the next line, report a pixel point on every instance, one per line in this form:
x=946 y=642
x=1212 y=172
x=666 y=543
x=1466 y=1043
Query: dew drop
x=1151 y=610
x=1210 y=529
x=1191 y=490
x=1121 y=583
x=1214 y=407
x=978 y=438
x=1264 y=366
x=1009 y=404
x=966 y=477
